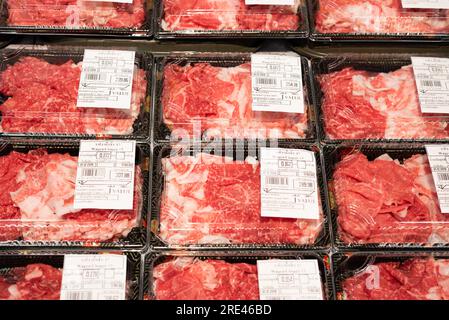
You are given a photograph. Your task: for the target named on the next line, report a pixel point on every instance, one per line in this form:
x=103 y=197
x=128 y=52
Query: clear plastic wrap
x=374 y=98
x=384 y=196
x=367 y=20
x=209 y=94
x=391 y=276
x=216 y=275
x=231 y=18
x=210 y=197
x=38 y=276
x=94 y=18
x=38 y=194
x=39 y=90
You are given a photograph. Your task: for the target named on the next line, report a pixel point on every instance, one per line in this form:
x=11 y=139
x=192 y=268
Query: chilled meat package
x=385 y=195
x=204 y=199
x=38 y=276
x=37 y=202
x=390 y=276
x=213 y=277
x=209 y=96
x=376 y=20
x=373 y=98
x=39 y=92
x=77 y=17
x=214 y=18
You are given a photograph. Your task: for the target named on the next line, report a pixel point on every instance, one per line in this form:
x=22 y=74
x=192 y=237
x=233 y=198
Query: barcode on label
x=78 y=295
x=95 y=77
x=266 y=81
x=93 y=172
x=431 y=83
x=443 y=176
x=277 y=181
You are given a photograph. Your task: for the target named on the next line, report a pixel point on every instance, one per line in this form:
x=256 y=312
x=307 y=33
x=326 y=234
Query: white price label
x=94 y=277
x=289 y=280
x=432 y=83
x=270 y=2
x=439 y=162
x=105 y=175
x=425 y=4
x=106 y=79
x=288 y=184
x=277 y=83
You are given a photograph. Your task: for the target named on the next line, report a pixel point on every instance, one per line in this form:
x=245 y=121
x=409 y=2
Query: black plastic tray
x=145 y=30
x=141 y=126
x=161 y=132
x=153 y=259
x=159 y=33
x=333 y=154
x=162 y=151
x=136 y=239
x=315 y=36
x=366 y=62
x=17 y=259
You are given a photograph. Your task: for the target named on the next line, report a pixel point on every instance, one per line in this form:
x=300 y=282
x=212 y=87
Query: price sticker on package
x=105 y=175
x=277 y=83
x=106 y=79
x=288 y=184
x=432 y=83
x=425 y=4
x=289 y=280
x=94 y=277
x=439 y=163
x=270 y=2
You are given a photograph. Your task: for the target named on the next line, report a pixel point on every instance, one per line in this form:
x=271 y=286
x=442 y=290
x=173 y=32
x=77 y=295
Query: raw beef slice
x=386 y=201
x=413 y=279
x=75 y=13
x=37 y=202
x=378 y=16
x=219 y=100
x=42 y=98
x=363 y=105
x=212 y=199
x=228 y=15
x=194 y=279
x=33 y=282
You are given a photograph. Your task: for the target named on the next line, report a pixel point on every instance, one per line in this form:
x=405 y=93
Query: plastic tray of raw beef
x=384 y=196
x=91 y=18
x=391 y=276
x=207 y=96
x=378 y=20
x=39 y=92
x=372 y=98
x=231 y=18
x=38 y=276
x=211 y=198
x=37 y=202
x=221 y=276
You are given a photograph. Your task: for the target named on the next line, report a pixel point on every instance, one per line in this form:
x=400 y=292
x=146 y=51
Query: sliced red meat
x=228 y=15
x=211 y=199
x=384 y=201
x=34 y=282
x=75 y=14
x=38 y=196
x=363 y=105
x=217 y=102
x=42 y=99
x=189 y=279
x=378 y=16
x=414 y=279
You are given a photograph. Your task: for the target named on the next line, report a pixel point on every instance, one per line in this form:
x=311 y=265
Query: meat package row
x=234 y=276
x=328 y=19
